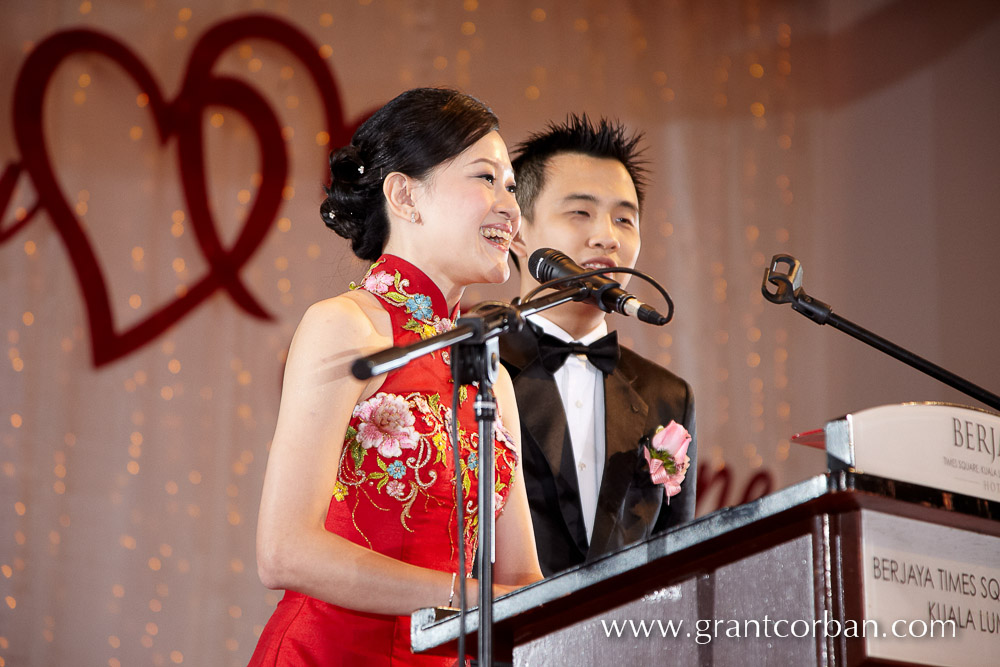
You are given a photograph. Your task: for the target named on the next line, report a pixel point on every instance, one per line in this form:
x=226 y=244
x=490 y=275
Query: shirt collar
x=556 y=331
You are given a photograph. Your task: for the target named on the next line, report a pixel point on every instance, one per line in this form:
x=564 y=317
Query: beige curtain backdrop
x=860 y=137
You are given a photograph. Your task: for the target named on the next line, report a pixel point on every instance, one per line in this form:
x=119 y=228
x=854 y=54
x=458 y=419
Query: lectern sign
x=946 y=447
x=931 y=593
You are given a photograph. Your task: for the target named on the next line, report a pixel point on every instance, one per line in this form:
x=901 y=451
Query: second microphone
x=547 y=264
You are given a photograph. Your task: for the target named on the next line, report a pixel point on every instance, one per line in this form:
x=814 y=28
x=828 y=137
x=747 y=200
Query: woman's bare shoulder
x=352 y=323
x=352 y=315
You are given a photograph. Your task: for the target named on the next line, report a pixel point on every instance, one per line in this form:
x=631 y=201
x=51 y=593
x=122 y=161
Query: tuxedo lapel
x=543 y=421
x=625 y=415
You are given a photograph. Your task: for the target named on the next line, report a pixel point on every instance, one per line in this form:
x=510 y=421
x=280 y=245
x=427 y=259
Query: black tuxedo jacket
x=639 y=396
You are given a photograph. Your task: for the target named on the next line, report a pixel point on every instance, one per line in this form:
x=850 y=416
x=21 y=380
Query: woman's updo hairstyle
x=412 y=134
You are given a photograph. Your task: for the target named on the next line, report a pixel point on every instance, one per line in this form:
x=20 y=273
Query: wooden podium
x=771 y=582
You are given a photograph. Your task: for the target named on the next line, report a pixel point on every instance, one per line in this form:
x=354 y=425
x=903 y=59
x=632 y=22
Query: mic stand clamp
x=789 y=289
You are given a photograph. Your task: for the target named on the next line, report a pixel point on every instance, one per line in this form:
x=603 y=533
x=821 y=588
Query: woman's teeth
x=496 y=235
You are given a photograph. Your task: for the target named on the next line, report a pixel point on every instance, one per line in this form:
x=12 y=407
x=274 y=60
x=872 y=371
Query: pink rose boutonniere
x=666 y=454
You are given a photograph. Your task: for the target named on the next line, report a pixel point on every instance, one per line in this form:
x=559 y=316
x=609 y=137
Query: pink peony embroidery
x=386 y=423
x=667 y=457
x=378 y=283
x=502 y=435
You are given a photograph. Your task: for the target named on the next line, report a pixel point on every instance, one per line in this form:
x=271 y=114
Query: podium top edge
x=921 y=404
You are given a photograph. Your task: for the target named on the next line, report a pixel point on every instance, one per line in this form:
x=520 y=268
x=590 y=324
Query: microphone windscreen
x=544 y=264
x=533 y=262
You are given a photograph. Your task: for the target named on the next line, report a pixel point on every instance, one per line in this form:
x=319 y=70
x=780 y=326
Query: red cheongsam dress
x=394 y=492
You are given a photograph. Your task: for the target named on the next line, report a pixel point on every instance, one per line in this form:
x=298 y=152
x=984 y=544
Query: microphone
x=546 y=264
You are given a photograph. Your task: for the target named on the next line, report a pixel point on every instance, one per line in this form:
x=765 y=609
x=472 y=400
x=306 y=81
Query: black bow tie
x=603 y=353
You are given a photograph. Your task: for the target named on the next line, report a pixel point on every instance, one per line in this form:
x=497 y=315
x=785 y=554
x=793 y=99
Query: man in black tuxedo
x=586 y=419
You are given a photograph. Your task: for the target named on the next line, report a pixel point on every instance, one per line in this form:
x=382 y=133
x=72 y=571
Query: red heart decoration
x=180 y=118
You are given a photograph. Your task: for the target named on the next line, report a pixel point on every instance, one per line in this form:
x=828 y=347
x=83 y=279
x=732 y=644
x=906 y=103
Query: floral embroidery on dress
x=398 y=445
x=385 y=428
x=420 y=306
x=386 y=423
x=392 y=288
x=377 y=283
x=505 y=456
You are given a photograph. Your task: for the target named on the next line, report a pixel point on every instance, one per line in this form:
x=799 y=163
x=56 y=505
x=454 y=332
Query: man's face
x=588 y=209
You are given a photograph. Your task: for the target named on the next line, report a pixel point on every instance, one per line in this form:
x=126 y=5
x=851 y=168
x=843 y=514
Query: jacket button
x=635 y=408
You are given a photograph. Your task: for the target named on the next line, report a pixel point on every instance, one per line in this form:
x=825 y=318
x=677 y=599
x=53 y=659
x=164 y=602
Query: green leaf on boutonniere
x=668 y=461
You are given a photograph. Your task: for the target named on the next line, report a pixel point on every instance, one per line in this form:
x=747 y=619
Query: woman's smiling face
x=468 y=215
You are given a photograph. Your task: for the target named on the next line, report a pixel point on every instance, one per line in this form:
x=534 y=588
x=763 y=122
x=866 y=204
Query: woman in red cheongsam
x=357 y=518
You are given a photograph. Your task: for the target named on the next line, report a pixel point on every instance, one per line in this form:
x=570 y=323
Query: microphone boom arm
x=497 y=319
x=788 y=289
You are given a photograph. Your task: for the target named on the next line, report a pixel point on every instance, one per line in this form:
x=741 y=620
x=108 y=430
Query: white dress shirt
x=581 y=387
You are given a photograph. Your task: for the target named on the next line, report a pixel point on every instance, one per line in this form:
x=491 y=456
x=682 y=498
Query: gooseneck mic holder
x=787 y=288
x=475 y=358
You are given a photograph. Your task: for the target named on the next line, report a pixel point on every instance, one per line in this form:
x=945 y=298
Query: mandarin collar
x=416 y=283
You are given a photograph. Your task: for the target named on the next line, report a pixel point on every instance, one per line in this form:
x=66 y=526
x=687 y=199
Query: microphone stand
x=475 y=358
x=788 y=289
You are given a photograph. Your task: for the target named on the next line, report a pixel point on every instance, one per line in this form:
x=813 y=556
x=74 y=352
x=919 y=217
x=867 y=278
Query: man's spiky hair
x=608 y=139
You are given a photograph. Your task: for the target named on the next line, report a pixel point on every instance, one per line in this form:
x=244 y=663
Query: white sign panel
x=945 y=447
x=931 y=593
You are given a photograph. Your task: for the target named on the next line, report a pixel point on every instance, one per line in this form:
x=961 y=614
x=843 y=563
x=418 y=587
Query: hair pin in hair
x=331 y=215
x=361 y=168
